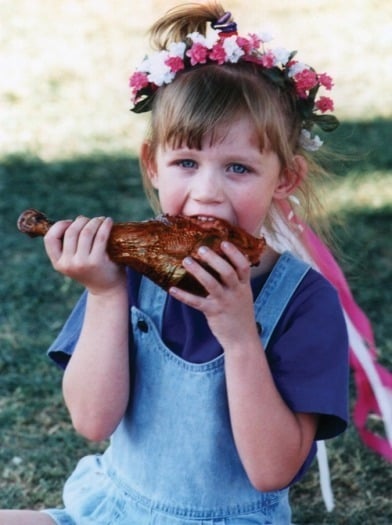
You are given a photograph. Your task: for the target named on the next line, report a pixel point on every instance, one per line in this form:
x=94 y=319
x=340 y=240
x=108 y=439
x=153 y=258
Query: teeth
x=205 y=219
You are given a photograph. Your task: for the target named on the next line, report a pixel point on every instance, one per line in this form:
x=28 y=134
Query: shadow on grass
x=363 y=146
x=39 y=447
x=91 y=185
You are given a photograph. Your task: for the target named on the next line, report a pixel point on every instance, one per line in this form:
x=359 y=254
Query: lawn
x=68 y=146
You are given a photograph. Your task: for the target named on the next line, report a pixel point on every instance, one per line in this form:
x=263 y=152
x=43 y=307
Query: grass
x=68 y=146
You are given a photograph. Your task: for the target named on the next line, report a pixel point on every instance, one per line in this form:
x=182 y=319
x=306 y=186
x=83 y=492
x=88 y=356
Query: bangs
x=203 y=102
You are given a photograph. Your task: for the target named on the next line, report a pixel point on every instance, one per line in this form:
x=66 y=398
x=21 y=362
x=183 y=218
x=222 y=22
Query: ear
x=290 y=178
x=147 y=158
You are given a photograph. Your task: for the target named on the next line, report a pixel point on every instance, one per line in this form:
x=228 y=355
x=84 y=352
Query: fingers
x=73 y=236
x=53 y=240
x=93 y=237
x=227 y=273
x=234 y=267
x=80 y=238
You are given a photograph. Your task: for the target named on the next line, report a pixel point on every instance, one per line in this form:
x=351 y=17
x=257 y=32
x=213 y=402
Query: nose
x=208 y=187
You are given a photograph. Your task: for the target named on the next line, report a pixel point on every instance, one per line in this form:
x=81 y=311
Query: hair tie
x=223 y=25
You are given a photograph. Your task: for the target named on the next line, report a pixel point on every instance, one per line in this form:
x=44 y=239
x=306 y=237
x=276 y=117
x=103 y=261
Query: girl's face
x=230 y=178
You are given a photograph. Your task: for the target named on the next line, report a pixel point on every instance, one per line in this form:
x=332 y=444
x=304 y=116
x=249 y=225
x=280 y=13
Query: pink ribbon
x=367 y=401
x=373 y=382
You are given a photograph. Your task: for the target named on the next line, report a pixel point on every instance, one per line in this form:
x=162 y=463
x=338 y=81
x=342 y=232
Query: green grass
x=67 y=147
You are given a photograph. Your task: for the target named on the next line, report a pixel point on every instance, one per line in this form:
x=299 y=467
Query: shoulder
x=317 y=294
x=313 y=309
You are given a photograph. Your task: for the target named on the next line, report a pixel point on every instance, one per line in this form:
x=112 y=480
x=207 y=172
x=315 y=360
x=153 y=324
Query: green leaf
x=275 y=75
x=292 y=55
x=143 y=105
x=305 y=108
x=326 y=122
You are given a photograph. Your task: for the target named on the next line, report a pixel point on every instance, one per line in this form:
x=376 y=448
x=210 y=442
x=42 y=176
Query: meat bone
x=157 y=247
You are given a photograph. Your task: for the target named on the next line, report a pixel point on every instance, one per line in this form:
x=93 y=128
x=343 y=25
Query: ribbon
x=373 y=382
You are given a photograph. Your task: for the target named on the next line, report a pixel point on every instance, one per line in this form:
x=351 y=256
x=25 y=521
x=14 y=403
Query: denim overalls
x=172 y=460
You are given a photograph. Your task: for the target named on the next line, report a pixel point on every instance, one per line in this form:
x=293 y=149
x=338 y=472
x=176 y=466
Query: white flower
x=158 y=72
x=197 y=38
x=211 y=39
x=177 y=49
x=207 y=41
x=233 y=50
x=265 y=36
x=281 y=55
x=309 y=143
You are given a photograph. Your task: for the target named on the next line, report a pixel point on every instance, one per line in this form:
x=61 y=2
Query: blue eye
x=186 y=163
x=238 y=169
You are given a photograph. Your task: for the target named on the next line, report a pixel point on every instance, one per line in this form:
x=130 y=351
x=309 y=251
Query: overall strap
x=151 y=299
x=281 y=284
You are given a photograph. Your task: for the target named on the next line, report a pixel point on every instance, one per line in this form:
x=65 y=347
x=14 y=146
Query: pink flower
x=254 y=40
x=268 y=59
x=325 y=80
x=305 y=80
x=138 y=81
x=175 y=63
x=245 y=44
x=198 y=54
x=218 y=53
x=249 y=45
x=324 y=104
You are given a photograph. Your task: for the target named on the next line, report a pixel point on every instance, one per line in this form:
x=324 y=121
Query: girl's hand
x=77 y=249
x=228 y=306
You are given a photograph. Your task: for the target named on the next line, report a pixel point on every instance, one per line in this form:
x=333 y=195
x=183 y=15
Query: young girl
x=213 y=404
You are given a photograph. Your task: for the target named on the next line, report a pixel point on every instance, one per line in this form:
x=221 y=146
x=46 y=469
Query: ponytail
x=182 y=20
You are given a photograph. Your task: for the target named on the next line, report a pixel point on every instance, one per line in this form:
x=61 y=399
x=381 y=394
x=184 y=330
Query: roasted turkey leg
x=157 y=247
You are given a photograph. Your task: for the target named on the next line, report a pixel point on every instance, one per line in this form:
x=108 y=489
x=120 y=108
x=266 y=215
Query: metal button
x=142 y=325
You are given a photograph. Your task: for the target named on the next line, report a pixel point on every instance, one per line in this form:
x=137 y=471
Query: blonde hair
x=205 y=99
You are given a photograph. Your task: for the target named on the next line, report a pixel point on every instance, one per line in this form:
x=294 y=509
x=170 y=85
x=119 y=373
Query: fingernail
x=188 y=261
x=202 y=250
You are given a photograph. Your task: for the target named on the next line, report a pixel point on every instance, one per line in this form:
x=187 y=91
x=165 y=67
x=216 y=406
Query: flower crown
x=225 y=46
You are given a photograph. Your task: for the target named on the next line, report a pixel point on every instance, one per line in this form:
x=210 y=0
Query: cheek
x=252 y=212
x=169 y=199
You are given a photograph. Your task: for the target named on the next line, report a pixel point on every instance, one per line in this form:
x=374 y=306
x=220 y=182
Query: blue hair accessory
x=223 y=25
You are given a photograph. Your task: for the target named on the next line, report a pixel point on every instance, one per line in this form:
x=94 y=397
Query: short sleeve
x=63 y=346
x=308 y=355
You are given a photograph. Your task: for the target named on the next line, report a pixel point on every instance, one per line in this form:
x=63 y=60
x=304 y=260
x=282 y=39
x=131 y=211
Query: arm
x=96 y=380
x=272 y=441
